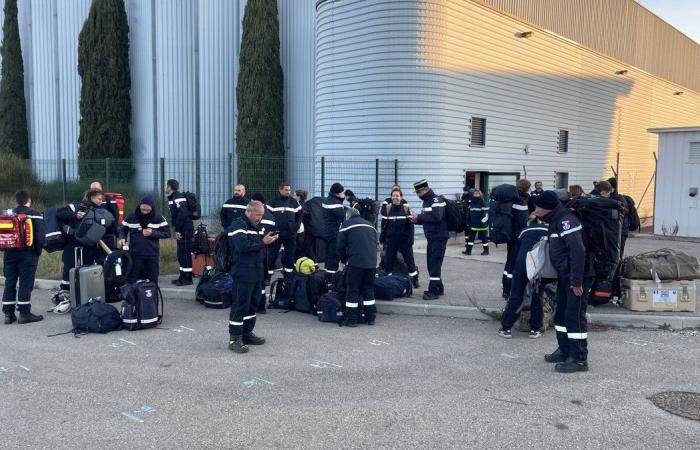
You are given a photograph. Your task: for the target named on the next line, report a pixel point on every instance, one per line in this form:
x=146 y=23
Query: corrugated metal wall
x=402 y=79
x=674 y=207
x=623 y=29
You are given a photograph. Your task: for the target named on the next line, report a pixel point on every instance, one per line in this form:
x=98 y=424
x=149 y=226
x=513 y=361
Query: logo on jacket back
x=566 y=224
x=149 y=293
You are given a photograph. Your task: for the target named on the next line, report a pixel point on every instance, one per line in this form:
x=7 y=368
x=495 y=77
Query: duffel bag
x=393 y=286
x=95 y=317
x=299 y=293
x=279 y=295
x=664 y=264
x=330 y=308
x=215 y=290
x=142 y=306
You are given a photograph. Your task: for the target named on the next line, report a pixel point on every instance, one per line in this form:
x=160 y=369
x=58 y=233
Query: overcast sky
x=682 y=14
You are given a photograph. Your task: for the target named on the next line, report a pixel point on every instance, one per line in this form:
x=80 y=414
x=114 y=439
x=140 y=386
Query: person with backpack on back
x=109 y=204
x=397 y=232
x=184 y=230
x=575 y=278
x=608 y=189
x=357 y=248
x=288 y=216
x=246 y=239
x=478 y=223
x=142 y=231
x=333 y=216
x=267 y=225
x=19 y=264
x=389 y=201
x=234 y=207
x=432 y=217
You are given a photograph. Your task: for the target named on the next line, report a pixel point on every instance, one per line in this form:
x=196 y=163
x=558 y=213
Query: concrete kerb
x=463 y=312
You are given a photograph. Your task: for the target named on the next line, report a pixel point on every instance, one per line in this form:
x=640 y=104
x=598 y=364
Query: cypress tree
x=260 y=124
x=14 y=136
x=105 y=100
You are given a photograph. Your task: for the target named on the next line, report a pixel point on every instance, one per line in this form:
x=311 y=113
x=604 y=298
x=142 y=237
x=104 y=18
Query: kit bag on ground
x=664 y=264
x=93 y=226
x=279 y=295
x=116 y=269
x=602 y=231
x=601 y=292
x=501 y=230
x=368 y=209
x=222 y=253
x=299 y=293
x=389 y=287
x=16 y=232
x=194 y=209
x=142 y=306
x=215 y=289
x=94 y=316
x=55 y=238
x=455 y=214
x=200 y=241
x=633 y=215
x=86 y=282
x=330 y=307
x=538 y=264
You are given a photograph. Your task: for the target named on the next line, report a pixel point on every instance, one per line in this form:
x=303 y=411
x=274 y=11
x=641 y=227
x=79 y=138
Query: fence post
x=396 y=171
x=376 y=179
x=323 y=175
x=162 y=185
x=230 y=173
x=107 y=174
x=63 y=179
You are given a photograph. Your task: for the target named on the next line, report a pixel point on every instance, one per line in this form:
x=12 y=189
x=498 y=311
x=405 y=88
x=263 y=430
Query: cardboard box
x=647 y=295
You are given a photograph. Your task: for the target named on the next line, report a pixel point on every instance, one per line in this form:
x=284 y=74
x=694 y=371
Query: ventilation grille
x=563 y=144
x=477 y=135
x=694 y=155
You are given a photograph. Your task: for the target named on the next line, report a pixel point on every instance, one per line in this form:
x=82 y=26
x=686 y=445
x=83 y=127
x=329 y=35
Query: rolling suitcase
x=86 y=282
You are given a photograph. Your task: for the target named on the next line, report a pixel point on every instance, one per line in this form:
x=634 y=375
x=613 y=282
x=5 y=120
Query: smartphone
x=274 y=233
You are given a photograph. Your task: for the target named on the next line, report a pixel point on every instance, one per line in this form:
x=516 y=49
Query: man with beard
x=234 y=207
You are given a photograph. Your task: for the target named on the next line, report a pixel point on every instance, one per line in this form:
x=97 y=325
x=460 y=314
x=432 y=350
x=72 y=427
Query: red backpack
x=119 y=199
x=16 y=232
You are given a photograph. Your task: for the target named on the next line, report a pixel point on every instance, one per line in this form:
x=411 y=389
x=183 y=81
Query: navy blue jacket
x=333 y=215
x=179 y=214
x=231 y=210
x=267 y=223
x=38 y=230
x=566 y=247
x=245 y=242
x=133 y=226
x=432 y=217
x=357 y=243
x=396 y=223
x=69 y=221
x=478 y=214
x=287 y=214
x=527 y=239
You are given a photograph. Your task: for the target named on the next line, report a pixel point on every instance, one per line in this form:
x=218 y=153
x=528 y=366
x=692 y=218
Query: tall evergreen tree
x=105 y=99
x=260 y=126
x=14 y=137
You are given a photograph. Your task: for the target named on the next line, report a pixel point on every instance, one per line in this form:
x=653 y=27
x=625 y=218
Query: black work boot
x=485 y=252
x=427 y=295
x=557 y=356
x=29 y=318
x=252 y=339
x=350 y=319
x=571 y=365
x=416 y=284
x=467 y=252
x=10 y=318
x=236 y=345
x=184 y=282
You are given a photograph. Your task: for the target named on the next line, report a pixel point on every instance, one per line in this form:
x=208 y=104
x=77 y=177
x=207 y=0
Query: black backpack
x=455 y=214
x=501 y=227
x=299 y=293
x=368 y=209
x=142 y=306
x=222 y=253
x=55 y=238
x=279 y=295
x=633 y=216
x=200 y=241
x=194 y=210
x=215 y=289
x=117 y=266
x=602 y=230
x=95 y=317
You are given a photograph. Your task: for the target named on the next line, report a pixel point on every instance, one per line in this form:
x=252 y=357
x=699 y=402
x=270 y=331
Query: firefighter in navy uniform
x=246 y=239
x=288 y=216
x=478 y=222
x=143 y=229
x=267 y=225
x=234 y=207
x=110 y=205
x=520 y=216
x=432 y=217
x=397 y=235
x=357 y=248
x=19 y=265
x=575 y=277
x=333 y=216
x=184 y=231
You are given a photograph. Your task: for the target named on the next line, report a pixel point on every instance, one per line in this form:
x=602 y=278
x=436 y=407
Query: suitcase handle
x=78 y=261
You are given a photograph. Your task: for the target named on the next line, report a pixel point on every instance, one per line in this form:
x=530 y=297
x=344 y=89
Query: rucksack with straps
x=633 y=215
x=16 y=232
x=368 y=209
x=200 y=241
x=222 y=253
x=142 y=306
x=55 y=237
x=501 y=226
x=455 y=214
x=194 y=209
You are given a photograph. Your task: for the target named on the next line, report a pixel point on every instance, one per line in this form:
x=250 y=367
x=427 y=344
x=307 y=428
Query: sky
x=682 y=14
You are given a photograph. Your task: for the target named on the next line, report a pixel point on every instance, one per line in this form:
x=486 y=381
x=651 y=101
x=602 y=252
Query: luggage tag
x=118 y=267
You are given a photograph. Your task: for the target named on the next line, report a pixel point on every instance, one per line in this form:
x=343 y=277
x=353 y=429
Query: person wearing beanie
x=333 y=216
x=575 y=278
x=140 y=233
x=432 y=217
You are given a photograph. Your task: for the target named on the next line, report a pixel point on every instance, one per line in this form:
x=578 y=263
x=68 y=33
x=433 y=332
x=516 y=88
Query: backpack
x=54 y=238
x=215 y=289
x=633 y=216
x=116 y=267
x=538 y=263
x=120 y=201
x=330 y=308
x=389 y=287
x=501 y=228
x=93 y=226
x=313 y=217
x=222 y=253
x=455 y=215
x=279 y=295
x=194 y=210
x=602 y=230
x=368 y=209
x=95 y=317
x=16 y=232
x=299 y=293
x=142 y=306
x=601 y=292
x=200 y=241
